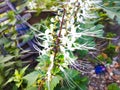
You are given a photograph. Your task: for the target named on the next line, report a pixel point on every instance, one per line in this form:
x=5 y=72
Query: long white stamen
x=49 y=70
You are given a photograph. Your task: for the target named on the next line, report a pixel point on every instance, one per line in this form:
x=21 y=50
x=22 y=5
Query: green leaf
x=3 y=28
x=16 y=72
x=31 y=88
x=18 y=84
x=9 y=80
x=113 y=86
x=23 y=70
x=8 y=64
x=72 y=56
x=72 y=73
x=11 y=16
x=6 y=58
x=55 y=80
x=43 y=58
x=31 y=77
x=112 y=13
x=14 y=87
x=82 y=53
x=1 y=79
x=84 y=79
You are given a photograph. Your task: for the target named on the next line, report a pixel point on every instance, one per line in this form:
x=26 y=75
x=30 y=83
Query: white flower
x=72 y=20
x=60 y=18
x=64 y=40
x=63 y=32
x=72 y=1
x=32 y=4
x=47 y=32
x=73 y=29
x=52 y=20
x=52 y=27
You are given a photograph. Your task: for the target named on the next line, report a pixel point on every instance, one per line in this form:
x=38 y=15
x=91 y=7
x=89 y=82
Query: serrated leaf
x=31 y=78
x=55 y=80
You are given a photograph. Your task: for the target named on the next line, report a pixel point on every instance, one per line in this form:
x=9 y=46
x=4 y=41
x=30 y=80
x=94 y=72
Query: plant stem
x=56 y=47
x=59 y=35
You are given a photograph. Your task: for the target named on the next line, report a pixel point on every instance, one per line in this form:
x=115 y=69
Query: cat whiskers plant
x=71 y=29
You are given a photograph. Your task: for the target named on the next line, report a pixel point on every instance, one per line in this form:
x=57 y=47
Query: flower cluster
x=71 y=29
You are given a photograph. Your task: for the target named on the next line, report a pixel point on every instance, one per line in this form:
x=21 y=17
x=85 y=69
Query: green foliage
x=113 y=86
x=72 y=30
x=108 y=53
x=4 y=63
x=40 y=5
x=112 y=8
x=31 y=78
x=9 y=51
x=12 y=17
x=103 y=17
x=81 y=53
x=59 y=40
x=7 y=65
x=110 y=35
x=73 y=81
x=17 y=78
x=103 y=58
x=110 y=50
x=55 y=80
